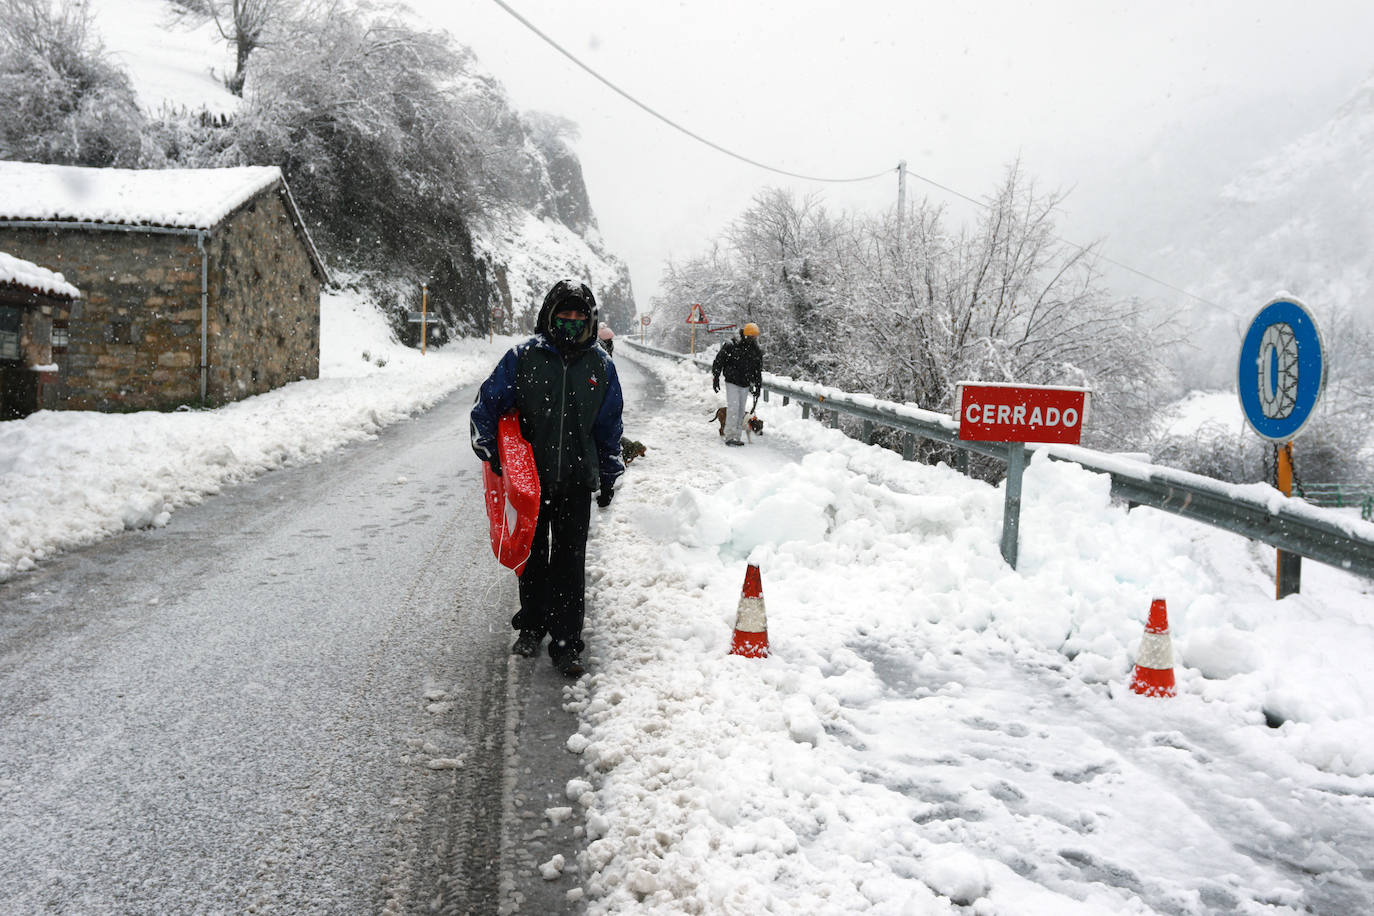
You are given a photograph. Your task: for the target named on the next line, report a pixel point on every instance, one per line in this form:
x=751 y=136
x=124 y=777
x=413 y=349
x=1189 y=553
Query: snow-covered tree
x=63 y=101
x=364 y=119
x=851 y=303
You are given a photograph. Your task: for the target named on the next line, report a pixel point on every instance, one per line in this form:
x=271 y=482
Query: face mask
x=568 y=329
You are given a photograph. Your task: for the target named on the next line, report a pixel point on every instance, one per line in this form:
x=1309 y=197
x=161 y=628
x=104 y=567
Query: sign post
x=1279 y=377
x=496 y=315
x=643 y=323
x=422 y=317
x=1017 y=414
x=695 y=317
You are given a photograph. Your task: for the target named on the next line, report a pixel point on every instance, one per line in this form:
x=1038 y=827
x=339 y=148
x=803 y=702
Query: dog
x=753 y=426
x=630 y=450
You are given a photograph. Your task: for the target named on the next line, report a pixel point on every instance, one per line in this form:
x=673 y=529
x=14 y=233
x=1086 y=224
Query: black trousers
x=553 y=586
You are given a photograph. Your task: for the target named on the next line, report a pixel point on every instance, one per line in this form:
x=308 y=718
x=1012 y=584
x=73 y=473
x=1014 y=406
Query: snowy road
x=297 y=698
x=292 y=699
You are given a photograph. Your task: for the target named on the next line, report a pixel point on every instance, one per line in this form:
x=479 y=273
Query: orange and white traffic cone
x=1154 y=667
x=751 y=624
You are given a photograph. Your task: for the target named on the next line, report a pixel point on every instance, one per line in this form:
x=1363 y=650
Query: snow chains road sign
x=1281 y=370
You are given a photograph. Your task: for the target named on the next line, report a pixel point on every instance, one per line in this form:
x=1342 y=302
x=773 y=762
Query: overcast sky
x=1140 y=109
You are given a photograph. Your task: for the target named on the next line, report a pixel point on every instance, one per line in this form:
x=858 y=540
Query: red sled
x=512 y=498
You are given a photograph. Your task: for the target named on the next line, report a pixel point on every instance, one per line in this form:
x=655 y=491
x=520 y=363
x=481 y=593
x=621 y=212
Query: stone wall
x=134 y=337
x=264 y=303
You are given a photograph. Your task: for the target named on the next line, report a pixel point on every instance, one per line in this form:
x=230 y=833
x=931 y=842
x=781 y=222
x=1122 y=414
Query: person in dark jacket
x=568 y=394
x=741 y=362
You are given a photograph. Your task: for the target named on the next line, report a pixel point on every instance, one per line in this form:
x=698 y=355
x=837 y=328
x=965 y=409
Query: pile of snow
x=935 y=731
x=74 y=477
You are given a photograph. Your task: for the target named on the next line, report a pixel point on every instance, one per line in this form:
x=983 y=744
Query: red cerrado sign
x=992 y=412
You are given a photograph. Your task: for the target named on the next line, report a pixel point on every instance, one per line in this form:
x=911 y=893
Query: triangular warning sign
x=697 y=315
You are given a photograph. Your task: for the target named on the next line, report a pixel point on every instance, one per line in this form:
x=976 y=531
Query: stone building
x=30 y=335
x=198 y=286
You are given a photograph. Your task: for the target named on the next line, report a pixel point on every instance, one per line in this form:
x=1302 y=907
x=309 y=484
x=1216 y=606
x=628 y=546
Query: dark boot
x=527 y=646
x=569 y=664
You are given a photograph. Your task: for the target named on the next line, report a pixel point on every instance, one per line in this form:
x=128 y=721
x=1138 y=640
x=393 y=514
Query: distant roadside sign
x=697 y=315
x=644 y=320
x=997 y=412
x=1281 y=370
x=417 y=317
x=496 y=313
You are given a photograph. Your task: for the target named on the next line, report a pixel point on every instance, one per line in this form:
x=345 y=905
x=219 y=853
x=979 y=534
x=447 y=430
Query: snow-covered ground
x=73 y=477
x=933 y=733
x=1200 y=412
x=180 y=64
x=933 y=730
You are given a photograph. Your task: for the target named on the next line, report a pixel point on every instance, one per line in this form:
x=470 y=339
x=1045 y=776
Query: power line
x=1164 y=283
x=754 y=162
x=669 y=121
x=1084 y=248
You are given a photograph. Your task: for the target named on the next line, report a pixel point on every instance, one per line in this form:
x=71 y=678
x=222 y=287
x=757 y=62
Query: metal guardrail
x=1255 y=511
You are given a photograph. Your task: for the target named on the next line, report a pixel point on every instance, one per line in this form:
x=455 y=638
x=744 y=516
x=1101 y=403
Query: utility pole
x=901 y=200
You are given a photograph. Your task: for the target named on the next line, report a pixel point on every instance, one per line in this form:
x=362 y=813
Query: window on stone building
x=60 y=336
x=10 y=319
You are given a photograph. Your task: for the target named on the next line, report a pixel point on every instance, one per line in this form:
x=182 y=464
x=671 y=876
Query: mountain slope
x=1300 y=219
x=540 y=227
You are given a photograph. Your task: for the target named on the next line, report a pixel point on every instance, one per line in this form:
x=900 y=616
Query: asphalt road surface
x=295 y=698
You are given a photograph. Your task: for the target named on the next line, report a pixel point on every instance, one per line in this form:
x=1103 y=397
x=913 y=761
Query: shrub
x=64 y=102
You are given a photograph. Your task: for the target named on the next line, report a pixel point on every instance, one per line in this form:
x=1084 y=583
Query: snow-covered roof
x=29 y=276
x=187 y=199
x=175 y=198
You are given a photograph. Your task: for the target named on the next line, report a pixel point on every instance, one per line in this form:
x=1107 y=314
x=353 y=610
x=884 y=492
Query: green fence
x=1340 y=496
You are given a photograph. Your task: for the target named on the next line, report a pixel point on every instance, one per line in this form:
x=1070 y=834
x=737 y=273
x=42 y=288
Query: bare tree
x=711 y=281
x=1009 y=301
x=247 y=26
x=848 y=303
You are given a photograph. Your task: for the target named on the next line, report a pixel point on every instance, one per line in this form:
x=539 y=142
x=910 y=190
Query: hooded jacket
x=570 y=405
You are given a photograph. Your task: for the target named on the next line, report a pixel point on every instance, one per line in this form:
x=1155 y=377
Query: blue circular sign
x=1281 y=370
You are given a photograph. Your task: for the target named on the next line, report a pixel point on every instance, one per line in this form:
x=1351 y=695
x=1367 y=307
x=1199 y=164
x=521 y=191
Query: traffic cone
x=1154 y=667
x=751 y=624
